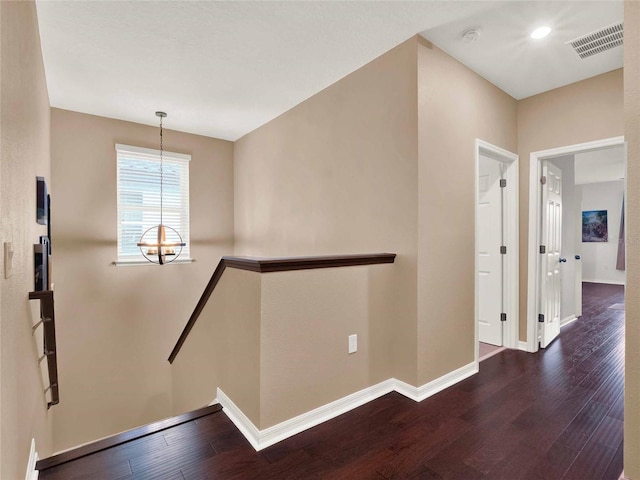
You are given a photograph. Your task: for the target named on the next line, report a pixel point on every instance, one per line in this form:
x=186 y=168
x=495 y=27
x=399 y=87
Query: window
x=139 y=198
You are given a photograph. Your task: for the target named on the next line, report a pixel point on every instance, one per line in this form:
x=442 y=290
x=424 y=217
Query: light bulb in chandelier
x=153 y=244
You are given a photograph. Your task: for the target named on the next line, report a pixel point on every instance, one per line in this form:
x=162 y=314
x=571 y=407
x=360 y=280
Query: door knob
x=577 y=257
x=562 y=260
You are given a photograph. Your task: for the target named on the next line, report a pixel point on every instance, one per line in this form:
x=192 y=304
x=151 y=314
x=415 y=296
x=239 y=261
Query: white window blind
x=139 y=198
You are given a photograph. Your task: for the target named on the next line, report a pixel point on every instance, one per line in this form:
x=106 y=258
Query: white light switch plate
x=8 y=259
x=353 y=343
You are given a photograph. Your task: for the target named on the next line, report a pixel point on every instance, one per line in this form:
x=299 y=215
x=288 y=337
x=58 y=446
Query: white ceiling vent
x=598 y=41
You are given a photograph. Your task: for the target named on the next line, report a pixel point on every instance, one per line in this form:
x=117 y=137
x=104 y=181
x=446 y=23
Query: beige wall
x=581 y=112
x=117 y=325
x=307 y=317
x=632 y=292
x=456 y=106
x=338 y=174
x=223 y=348
x=24 y=154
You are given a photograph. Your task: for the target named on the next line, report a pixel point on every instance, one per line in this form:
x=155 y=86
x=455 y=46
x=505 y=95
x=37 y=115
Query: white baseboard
x=32 y=473
x=609 y=282
x=260 y=439
x=492 y=353
x=567 y=320
x=524 y=346
x=240 y=420
x=428 y=389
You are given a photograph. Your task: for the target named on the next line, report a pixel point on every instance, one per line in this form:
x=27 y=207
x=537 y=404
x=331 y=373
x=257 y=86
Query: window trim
x=151 y=154
x=133 y=263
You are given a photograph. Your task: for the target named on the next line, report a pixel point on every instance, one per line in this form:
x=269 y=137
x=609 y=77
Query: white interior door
x=578 y=251
x=490 y=271
x=551 y=262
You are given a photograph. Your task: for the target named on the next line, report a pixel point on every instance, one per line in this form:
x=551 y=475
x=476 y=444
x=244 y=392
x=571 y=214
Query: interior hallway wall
x=118 y=325
x=599 y=258
x=338 y=174
x=581 y=112
x=456 y=106
x=24 y=154
x=632 y=225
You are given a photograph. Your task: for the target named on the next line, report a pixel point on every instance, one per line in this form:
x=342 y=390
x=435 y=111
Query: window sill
x=134 y=263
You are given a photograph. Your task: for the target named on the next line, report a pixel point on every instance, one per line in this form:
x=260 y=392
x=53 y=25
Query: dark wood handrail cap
x=281 y=264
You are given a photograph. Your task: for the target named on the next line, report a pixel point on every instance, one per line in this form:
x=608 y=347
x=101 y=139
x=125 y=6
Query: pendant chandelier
x=153 y=243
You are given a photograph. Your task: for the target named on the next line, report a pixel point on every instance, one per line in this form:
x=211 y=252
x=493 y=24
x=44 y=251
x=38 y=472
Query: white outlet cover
x=353 y=343
x=8 y=259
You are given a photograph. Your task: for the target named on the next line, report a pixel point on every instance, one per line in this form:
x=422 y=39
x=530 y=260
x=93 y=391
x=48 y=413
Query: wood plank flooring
x=552 y=415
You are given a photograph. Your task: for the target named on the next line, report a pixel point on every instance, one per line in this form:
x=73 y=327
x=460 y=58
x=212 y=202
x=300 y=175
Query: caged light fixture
x=154 y=240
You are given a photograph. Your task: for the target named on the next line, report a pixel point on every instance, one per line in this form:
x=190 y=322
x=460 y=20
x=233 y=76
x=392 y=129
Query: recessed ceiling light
x=540 y=32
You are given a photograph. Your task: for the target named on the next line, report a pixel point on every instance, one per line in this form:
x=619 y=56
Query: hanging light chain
x=161 y=169
x=161 y=247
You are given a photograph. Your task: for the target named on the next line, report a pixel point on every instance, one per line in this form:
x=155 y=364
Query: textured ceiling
x=521 y=66
x=222 y=69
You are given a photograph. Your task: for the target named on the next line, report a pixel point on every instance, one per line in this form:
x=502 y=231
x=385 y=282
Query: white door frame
x=511 y=238
x=535 y=192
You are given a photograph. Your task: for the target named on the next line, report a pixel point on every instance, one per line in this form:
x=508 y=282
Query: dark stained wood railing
x=265 y=265
x=47 y=316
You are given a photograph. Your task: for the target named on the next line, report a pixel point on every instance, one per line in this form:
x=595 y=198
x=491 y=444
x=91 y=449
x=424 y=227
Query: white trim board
x=533 y=239
x=32 y=473
x=566 y=321
x=429 y=389
x=608 y=282
x=151 y=153
x=260 y=439
x=492 y=353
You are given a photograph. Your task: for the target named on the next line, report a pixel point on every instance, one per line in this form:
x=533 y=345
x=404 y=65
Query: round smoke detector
x=470 y=35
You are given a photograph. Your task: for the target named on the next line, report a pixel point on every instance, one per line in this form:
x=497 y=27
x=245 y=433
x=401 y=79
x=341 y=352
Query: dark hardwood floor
x=552 y=415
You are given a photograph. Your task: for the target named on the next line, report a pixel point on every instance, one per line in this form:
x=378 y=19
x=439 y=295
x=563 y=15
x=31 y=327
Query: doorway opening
x=576 y=231
x=496 y=249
